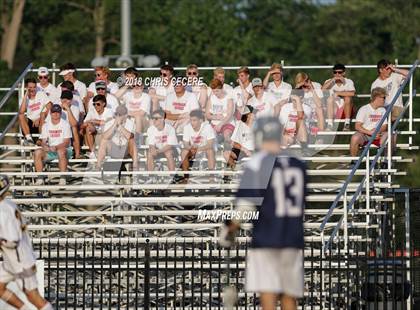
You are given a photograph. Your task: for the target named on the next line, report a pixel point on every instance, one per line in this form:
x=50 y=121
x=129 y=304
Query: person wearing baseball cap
x=44 y=85
x=68 y=72
x=263 y=102
x=101 y=89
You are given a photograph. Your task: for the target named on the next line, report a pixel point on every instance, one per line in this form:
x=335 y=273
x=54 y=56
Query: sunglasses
x=44 y=77
x=55 y=111
x=97 y=104
x=338 y=72
x=155 y=118
x=192 y=73
x=101 y=88
x=163 y=74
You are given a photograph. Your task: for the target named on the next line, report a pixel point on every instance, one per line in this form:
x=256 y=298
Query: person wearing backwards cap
x=68 y=72
x=101 y=74
x=44 y=85
x=55 y=143
x=19 y=261
x=263 y=101
x=111 y=100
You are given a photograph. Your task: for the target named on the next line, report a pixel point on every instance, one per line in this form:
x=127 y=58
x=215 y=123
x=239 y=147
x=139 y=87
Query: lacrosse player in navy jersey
x=275 y=185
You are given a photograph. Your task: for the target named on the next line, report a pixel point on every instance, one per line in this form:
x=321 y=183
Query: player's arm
x=359 y=127
x=171 y=116
x=345 y=93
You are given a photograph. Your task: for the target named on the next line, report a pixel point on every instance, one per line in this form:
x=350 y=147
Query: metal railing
x=369 y=166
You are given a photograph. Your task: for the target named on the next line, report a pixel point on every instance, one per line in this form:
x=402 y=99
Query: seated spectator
x=292 y=119
x=68 y=72
x=263 y=102
x=339 y=103
x=278 y=88
x=312 y=104
x=111 y=101
x=118 y=139
x=242 y=140
x=34 y=104
x=94 y=123
x=76 y=101
x=195 y=86
x=55 y=143
x=136 y=100
x=178 y=106
x=219 y=111
x=161 y=139
x=44 y=84
x=390 y=78
x=219 y=74
x=244 y=90
x=198 y=139
x=367 y=120
x=162 y=88
x=101 y=74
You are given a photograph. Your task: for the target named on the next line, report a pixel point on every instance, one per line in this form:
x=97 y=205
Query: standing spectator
x=291 y=118
x=196 y=86
x=219 y=111
x=34 y=104
x=244 y=90
x=242 y=140
x=339 y=103
x=311 y=101
x=275 y=185
x=44 y=84
x=55 y=137
x=198 y=139
x=367 y=120
x=94 y=123
x=19 y=259
x=68 y=72
x=264 y=103
x=390 y=78
x=111 y=100
x=118 y=138
x=178 y=105
x=136 y=100
x=101 y=74
x=161 y=139
x=278 y=88
x=162 y=88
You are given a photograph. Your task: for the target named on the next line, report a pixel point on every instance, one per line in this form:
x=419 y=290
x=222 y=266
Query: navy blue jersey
x=276 y=185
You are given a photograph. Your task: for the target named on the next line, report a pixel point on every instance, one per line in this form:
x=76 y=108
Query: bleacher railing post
x=410 y=110
x=345 y=210
x=389 y=145
x=53 y=73
x=367 y=188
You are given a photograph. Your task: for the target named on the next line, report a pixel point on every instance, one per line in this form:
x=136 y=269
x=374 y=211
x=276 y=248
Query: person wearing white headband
x=68 y=72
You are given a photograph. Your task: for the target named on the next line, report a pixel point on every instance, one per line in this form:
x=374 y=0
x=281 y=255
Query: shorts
x=239 y=155
x=277 y=271
x=32 y=128
x=225 y=127
x=339 y=114
x=53 y=155
x=117 y=151
x=29 y=283
x=377 y=141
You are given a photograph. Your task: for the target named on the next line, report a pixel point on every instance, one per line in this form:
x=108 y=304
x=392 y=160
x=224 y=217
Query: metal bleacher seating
x=94 y=207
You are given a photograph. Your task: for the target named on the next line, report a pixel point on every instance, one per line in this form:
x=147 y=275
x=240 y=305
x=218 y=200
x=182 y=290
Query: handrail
x=7 y=96
x=365 y=150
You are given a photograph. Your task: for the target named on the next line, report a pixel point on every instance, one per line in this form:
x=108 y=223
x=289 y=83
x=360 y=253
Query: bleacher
x=109 y=215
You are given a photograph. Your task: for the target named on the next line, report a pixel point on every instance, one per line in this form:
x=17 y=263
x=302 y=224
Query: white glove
x=226 y=238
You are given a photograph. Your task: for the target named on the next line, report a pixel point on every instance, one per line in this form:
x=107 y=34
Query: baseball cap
x=56 y=108
x=66 y=94
x=100 y=84
x=256 y=82
x=42 y=71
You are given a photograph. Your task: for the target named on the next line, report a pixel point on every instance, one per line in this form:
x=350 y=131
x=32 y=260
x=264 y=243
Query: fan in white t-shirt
x=278 y=88
x=242 y=140
x=178 y=106
x=263 y=102
x=76 y=101
x=101 y=74
x=219 y=74
x=118 y=138
x=162 y=140
x=198 y=139
x=291 y=117
x=34 y=105
x=55 y=142
x=111 y=101
x=312 y=95
x=95 y=121
x=44 y=84
x=161 y=87
x=219 y=111
x=195 y=85
x=367 y=120
x=68 y=72
x=339 y=102
x=243 y=91
x=390 y=78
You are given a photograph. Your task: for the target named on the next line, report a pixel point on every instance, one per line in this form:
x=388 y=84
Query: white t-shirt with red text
x=35 y=106
x=106 y=116
x=179 y=105
x=370 y=117
x=243 y=135
x=238 y=96
x=281 y=92
x=220 y=106
x=198 y=138
x=56 y=133
x=264 y=105
x=161 y=138
x=391 y=85
x=289 y=117
x=348 y=85
x=135 y=103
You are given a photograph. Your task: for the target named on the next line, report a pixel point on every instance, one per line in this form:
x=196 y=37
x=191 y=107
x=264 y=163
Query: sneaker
x=62 y=181
x=330 y=127
x=346 y=127
x=179 y=180
x=227 y=179
x=28 y=141
x=39 y=181
x=92 y=155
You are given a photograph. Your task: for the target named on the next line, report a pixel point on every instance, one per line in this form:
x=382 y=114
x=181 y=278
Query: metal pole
x=410 y=110
x=125 y=27
x=53 y=73
x=407 y=241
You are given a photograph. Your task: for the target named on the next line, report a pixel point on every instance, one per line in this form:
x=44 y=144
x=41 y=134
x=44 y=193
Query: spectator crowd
x=184 y=121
